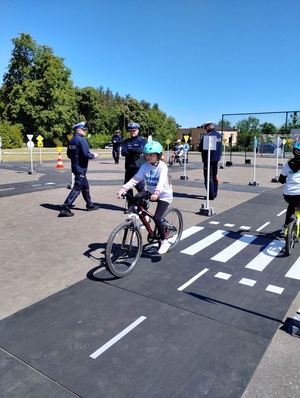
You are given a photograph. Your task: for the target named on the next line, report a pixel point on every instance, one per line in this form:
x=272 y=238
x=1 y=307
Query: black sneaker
x=65 y=212
x=92 y=207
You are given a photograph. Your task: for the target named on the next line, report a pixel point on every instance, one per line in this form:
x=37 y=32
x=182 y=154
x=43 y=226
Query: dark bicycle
x=124 y=245
x=292 y=230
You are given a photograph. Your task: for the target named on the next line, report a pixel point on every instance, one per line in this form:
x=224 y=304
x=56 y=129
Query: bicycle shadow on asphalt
x=235 y=307
x=101 y=267
x=149 y=252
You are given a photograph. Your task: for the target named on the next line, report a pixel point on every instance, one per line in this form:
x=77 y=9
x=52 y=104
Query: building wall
x=196 y=133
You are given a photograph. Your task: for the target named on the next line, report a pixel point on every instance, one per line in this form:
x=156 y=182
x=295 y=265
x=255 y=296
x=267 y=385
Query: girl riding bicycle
x=290 y=176
x=155 y=173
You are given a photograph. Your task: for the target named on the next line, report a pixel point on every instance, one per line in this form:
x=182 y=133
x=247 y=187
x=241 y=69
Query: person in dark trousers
x=79 y=153
x=132 y=150
x=215 y=156
x=116 y=140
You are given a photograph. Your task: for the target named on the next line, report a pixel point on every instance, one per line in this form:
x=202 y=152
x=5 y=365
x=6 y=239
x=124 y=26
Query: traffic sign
x=39 y=138
x=30 y=144
x=186 y=138
x=30 y=136
x=40 y=144
x=59 y=149
x=168 y=141
x=186 y=147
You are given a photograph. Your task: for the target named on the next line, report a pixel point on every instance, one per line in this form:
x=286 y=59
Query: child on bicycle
x=155 y=174
x=290 y=176
x=178 y=150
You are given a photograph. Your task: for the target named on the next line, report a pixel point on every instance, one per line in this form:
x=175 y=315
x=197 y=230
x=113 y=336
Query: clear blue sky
x=198 y=59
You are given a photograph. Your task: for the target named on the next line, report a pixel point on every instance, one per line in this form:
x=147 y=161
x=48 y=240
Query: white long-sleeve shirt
x=292 y=185
x=156 y=178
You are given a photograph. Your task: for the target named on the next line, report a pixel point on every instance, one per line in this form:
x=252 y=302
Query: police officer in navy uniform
x=132 y=149
x=116 y=140
x=215 y=156
x=79 y=153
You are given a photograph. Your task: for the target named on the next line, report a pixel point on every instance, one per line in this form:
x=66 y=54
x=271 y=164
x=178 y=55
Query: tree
x=38 y=92
x=226 y=123
x=268 y=129
x=247 y=130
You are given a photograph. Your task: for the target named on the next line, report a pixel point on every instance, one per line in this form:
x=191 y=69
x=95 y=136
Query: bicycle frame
x=297 y=215
x=142 y=213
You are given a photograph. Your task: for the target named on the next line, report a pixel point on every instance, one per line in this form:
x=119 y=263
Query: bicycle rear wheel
x=123 y=249
x=173 y=226
x=290 y=237
x=171 y=160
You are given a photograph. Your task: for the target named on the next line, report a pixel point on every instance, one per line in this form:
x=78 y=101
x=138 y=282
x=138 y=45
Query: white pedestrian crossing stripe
x=234 y=248
x=264 y=258
x=294 y=271
x=258 y=263
x=202 y=244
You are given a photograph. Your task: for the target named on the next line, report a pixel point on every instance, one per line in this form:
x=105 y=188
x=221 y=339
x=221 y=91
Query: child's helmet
x=153 y=147
x=296 y=149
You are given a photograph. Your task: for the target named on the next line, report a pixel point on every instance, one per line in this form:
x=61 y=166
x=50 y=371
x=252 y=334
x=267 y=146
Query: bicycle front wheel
x=290 y=237
x=123 y=249
x=173 y=227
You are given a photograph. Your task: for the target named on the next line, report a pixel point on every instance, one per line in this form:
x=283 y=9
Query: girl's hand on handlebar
x=120 y=194
x=154 y=198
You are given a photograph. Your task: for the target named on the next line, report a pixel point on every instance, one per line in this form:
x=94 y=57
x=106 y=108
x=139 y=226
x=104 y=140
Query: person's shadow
x=105 y=206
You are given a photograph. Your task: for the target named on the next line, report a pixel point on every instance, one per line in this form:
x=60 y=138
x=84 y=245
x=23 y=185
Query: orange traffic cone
x=59 y=162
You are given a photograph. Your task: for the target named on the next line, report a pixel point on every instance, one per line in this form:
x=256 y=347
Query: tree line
x=265 y=132
x=38 y=97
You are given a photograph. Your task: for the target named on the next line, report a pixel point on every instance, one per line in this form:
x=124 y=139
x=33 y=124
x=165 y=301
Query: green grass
x=23 y=154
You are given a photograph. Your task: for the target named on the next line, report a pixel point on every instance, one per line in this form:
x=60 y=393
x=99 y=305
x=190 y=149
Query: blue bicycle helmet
x=296 y=149
x=153 y=147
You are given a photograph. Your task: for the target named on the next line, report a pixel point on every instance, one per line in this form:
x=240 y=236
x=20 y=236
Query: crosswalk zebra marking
x=274 y=289
x=263 y=226
x=294 y=271
x=233 y=249
x=214 y=222
x=189 y=282
x=202 y=244
x=281 y=213
x=259 y=263
x=264 y=258
x=223 y=275
x=245 y=227
x=229 y=225
x=247 y=281
x=190 y=231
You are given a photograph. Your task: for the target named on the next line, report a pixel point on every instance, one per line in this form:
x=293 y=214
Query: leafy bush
x=11 y=135
x=97 y=141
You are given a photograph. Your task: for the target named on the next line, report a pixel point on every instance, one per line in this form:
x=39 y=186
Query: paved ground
x=42 y=254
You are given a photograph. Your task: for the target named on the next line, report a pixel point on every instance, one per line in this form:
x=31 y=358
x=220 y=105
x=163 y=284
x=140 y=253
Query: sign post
x=282 y=151
x=210 y=144
x=254 y=182
x=186 y=147
x=168 y=149
x=277 y=152
x=224 y=150
x=40 y=145
x=0 y=148
x=30 y=145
